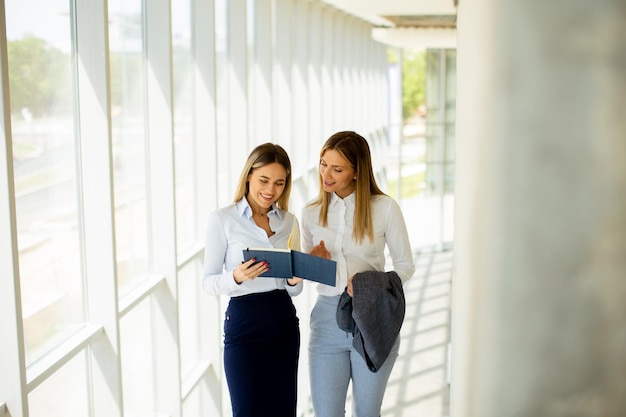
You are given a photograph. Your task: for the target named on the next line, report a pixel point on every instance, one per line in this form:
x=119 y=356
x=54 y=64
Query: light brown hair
x=260 y=156
x=355 y=149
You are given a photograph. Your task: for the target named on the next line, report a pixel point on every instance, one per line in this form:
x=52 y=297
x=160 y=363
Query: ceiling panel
x=392 y=13
x=406 y=23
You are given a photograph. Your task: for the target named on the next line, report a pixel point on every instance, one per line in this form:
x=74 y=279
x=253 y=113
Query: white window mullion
x=361 y=98
x=205 y=122
x=382 y=104
x=206 y=168
x=283 y=105
x=357 y=71
x=301 y=32
x=329 y=42
x=96 y=173
x=338 y=78
x=347 y=74
x=239 y=145
x=314 y=80
x=261 y=108
x=160 y=133
x=299 y=94
x=12 y=362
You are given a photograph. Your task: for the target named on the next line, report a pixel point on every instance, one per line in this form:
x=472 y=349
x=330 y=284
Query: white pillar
x=539 y=307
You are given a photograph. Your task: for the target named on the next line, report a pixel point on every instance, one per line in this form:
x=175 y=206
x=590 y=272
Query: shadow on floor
x=419 y=383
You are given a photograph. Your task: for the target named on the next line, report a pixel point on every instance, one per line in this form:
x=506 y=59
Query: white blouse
x=389 y=230
x=230 y=230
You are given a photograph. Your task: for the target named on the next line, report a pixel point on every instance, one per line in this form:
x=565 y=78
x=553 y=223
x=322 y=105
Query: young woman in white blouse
x=261 y=329
x=351 y=222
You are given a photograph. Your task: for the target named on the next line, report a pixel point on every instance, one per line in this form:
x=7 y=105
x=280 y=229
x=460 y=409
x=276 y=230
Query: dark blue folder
x=285 y=263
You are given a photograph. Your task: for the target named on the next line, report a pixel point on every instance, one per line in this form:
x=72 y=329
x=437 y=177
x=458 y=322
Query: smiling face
x=265 y=185
x=337 y=174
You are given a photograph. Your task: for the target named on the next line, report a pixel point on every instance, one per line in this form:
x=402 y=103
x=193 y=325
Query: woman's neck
x=258 y=210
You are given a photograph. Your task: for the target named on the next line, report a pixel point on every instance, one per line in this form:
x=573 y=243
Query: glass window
x=129 y=139
x=137 y=360
x=45 y=170
x=190 y=330
x=52 y=397
x=199 y=320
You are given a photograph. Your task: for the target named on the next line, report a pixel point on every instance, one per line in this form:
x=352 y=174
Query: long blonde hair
x=260 y=156
x=355 y=149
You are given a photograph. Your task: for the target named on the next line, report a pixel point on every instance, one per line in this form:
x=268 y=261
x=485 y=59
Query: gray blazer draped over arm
x=374 y=316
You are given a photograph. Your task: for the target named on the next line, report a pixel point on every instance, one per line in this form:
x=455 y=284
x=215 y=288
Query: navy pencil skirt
x=261 y=351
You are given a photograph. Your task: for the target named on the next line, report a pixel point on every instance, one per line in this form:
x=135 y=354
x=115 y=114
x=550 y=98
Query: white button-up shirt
x=230 y=230
x=389 y=230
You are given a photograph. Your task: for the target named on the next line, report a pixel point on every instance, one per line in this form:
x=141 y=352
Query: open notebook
x=286 y=263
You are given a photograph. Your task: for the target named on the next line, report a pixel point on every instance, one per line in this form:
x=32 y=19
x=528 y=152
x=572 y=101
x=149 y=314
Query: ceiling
x=413 y=24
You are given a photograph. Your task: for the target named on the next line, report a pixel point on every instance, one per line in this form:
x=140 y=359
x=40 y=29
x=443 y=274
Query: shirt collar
x=244 y=209
x=350 y=199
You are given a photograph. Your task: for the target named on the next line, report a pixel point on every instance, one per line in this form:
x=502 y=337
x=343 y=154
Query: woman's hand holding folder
x=249 y=270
